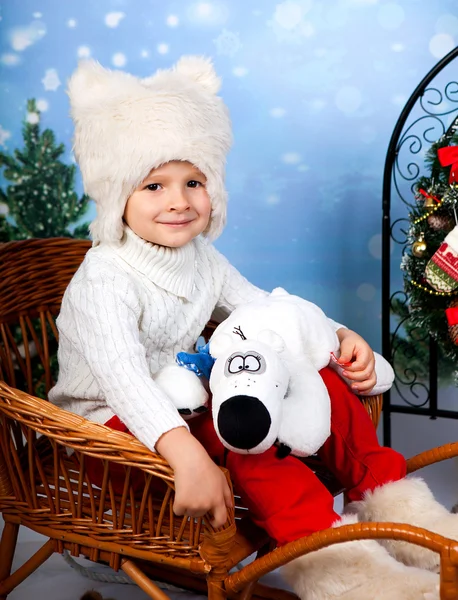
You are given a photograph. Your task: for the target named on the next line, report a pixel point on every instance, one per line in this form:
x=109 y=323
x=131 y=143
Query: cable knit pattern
x=127 y=312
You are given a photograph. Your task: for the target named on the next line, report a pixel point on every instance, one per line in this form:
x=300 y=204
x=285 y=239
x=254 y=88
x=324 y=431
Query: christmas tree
x=430 y=264
x=40 y=200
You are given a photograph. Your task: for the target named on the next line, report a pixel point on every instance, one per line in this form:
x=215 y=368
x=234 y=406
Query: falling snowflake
x=163 y=48
x=51 y=80
x=4 y=135
x=144 y=53
x=71 y=23
x=33 y=118
x=4 y=210
x=114 y=18
x=227 y=43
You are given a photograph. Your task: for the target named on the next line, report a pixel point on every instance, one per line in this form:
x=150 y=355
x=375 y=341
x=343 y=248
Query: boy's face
x=171 y=206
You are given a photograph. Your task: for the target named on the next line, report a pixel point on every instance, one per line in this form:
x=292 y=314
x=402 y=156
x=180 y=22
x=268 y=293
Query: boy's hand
x=200 y=486
x=357 y=358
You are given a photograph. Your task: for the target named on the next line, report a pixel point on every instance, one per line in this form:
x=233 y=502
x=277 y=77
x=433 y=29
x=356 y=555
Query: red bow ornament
x=449 y=156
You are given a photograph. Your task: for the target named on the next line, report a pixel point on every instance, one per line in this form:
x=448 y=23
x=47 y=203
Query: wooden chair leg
x=7 y=548
x=143 y=582
x=216 y=589
x=11 y=581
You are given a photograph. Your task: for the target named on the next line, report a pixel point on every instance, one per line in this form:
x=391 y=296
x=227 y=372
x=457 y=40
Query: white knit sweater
x=126 y=313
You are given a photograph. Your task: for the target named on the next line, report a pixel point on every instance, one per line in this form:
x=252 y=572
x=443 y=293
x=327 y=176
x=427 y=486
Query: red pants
x=284 y=496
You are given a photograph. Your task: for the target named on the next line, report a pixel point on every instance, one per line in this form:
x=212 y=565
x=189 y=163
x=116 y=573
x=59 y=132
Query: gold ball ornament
x=419 y=247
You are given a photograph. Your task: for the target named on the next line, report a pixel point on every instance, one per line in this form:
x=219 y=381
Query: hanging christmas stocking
x=442 y=270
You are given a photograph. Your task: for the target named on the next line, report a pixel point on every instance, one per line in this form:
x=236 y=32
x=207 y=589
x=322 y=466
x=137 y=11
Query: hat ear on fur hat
x=126 y=126
x=199 y=69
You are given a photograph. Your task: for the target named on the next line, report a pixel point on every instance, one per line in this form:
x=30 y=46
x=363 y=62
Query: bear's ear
x=220 y=344
x=272 y=339
x=199 y=69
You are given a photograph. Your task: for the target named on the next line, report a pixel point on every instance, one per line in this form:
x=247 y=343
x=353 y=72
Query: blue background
x=314 y=89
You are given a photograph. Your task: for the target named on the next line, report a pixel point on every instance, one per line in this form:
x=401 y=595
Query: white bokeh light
x=441 y=44
x=291 y=158
x=72 y=23
x=4 y=135
x=375 y=246
x=119 y=59
x=163 y=48
x=240 y=71
x=289 y=14
x=172 y=21
x=390 y=15
x=272 y=199
x=348 y=99
x=33 y=118
x=23 y=37
x=397 y=47
x=366 y=292
x=144 y=53
x=277 y=112
x=447 y=24
x=42 y=105
x=9 y=59
x=83 y=52
x=208 y=13
x=113 y=19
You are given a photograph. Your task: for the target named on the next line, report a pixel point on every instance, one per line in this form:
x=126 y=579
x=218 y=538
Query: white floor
x=55 y=580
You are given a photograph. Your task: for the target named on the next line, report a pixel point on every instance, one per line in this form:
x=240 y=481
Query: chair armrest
x=432 y=456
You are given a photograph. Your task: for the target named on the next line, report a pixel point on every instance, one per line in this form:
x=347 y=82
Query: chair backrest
x=33 y=277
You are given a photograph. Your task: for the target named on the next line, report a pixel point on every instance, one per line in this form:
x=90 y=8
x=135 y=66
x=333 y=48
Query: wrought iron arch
x=422 y=121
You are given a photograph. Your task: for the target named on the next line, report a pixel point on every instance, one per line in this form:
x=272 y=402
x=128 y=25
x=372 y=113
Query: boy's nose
x=178 y=202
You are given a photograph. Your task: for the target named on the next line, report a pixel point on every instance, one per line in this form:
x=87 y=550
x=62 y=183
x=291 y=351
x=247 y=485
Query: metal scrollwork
x=424 y=119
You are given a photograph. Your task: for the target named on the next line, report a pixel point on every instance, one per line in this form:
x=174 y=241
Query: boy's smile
x=171 y=206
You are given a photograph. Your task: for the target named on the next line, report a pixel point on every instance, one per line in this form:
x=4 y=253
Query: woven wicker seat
x=45 y=488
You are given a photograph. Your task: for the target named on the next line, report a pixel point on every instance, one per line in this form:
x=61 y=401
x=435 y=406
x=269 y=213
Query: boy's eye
x=193 y=183
x=153 y=187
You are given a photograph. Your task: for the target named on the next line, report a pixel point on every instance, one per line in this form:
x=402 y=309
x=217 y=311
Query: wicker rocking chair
x=48 y=491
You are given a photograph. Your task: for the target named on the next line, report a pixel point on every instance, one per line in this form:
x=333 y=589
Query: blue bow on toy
x=201 y=363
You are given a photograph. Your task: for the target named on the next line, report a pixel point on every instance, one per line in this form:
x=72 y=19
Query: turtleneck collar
x=172 y=269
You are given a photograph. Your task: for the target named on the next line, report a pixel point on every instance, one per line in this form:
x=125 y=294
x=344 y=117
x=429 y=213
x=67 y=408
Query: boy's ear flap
x=201 y=70
x=272 y=339
x=220 y=344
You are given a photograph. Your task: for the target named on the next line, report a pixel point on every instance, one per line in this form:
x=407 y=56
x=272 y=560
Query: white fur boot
x=408 y=501
x=360 y=570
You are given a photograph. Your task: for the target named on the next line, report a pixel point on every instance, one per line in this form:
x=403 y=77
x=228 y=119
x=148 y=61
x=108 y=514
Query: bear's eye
x=252 y=363
x=235 y=364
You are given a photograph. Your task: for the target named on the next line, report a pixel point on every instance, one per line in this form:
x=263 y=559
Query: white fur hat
x=125 y=126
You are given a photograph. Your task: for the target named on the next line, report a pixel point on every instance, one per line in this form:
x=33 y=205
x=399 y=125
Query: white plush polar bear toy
x=265 y=380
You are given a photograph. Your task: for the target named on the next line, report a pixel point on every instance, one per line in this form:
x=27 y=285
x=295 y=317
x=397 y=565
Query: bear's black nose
x=243 y=421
